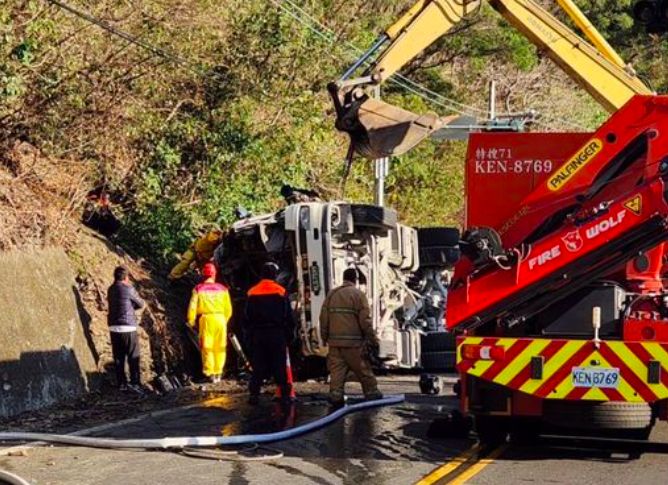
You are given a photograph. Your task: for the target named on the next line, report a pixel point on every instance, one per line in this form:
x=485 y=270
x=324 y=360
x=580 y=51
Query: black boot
x=375 y=396
x=335 y=404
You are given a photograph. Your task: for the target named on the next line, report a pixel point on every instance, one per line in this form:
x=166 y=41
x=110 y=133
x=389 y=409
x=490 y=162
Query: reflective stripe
x=122 y=328
x=349 y=311
x=559 y=357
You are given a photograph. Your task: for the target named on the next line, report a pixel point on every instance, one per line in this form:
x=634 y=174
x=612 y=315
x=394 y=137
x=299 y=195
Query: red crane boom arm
x=616 y=189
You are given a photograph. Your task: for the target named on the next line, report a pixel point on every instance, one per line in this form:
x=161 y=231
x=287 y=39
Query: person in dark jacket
x=123 y=301
x=268 y=321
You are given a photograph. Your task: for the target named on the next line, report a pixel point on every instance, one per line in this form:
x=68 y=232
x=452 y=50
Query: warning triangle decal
x=634 y=204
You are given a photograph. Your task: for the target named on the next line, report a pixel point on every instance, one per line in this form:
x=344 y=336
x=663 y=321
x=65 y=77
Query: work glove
x=371 y=350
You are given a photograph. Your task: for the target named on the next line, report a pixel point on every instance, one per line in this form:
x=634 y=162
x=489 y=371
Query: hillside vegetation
x=239 y=107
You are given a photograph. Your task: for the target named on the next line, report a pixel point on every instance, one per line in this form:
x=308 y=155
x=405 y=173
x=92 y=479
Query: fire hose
x=11 y=479
x=201 y=441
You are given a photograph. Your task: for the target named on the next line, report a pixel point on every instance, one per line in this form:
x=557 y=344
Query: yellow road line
x=479 y=466
x=449 y=467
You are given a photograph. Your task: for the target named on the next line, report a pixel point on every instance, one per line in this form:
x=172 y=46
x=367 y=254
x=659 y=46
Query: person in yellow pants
x=211 y=308
x=200 y=252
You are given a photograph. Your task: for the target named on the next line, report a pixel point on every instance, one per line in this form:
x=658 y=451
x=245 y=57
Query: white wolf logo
x=573 y=241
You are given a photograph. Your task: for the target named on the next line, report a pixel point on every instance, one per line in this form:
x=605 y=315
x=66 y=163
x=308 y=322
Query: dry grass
x=41 y=201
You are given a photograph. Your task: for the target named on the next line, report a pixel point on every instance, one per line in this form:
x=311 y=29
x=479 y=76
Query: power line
x=422 y=91
x=312 y=24
x=176 y=59
x=137 y=41
x=399 y=80
x=119 y=33
x=432 y=95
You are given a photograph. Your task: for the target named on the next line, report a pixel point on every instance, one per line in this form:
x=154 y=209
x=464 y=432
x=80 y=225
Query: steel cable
x=402 y=81
x=307 y=20
x=135 y=40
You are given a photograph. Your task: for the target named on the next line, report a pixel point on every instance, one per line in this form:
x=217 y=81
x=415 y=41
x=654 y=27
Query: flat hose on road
x=11 y=479
x=202 y=441
x=251 y=453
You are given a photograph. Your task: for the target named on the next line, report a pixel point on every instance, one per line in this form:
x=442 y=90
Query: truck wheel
x=438 y=361
x=373 y=217
x=491 y=430
x=439 y=257
x=454 y=426
x=524 y=432
x=438 y=342
x=439 y=246
x=438 y=236
x=620 y=419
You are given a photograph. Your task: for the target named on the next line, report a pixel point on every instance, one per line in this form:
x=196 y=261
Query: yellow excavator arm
x=378 y=129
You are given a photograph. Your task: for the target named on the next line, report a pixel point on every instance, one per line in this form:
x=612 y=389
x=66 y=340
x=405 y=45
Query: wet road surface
x=379 y=446
x=384 y=445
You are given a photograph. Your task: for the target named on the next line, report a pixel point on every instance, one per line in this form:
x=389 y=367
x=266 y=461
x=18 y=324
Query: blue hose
x=201 y=441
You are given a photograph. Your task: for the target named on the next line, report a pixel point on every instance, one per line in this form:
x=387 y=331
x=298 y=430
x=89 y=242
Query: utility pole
x=382 y=169
x=492 y=100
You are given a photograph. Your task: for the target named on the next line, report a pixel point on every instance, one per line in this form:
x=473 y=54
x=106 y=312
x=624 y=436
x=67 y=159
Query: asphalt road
x=380 y=446
x=581 y=461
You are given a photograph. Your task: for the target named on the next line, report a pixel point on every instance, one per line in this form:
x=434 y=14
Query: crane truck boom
x=623 y=214
x=378 y=129
x=559 y=299
x=568 y=327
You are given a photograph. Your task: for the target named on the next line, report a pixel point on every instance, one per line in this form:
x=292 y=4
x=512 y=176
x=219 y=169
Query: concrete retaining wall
x=46 y=353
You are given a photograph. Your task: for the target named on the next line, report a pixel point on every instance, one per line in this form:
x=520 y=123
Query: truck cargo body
x=404 y=272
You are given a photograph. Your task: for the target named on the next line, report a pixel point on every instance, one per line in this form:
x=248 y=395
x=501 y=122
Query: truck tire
x=438 y=237
x=373 y=217
x=439 y=246
x=438 y=342
x=491 y=430
x=632 y=420
x=438 y=361
x=439 y=257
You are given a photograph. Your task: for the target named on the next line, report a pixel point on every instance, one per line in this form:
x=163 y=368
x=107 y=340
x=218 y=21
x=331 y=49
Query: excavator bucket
x=378 y=129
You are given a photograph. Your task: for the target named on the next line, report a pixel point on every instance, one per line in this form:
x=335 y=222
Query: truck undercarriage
x=403 y=270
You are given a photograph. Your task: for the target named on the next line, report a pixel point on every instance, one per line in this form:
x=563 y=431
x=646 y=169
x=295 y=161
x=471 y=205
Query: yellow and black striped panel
x=559 y=357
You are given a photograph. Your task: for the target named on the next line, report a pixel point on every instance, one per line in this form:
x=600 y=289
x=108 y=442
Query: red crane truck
x=559 y=301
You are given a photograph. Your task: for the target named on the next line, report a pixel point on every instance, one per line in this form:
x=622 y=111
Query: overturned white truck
x=404 y=272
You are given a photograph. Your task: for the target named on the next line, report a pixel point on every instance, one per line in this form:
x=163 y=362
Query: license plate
x=600 y=377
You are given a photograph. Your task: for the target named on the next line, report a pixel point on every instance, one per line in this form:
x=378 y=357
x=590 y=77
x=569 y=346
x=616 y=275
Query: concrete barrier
x=46 y=353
